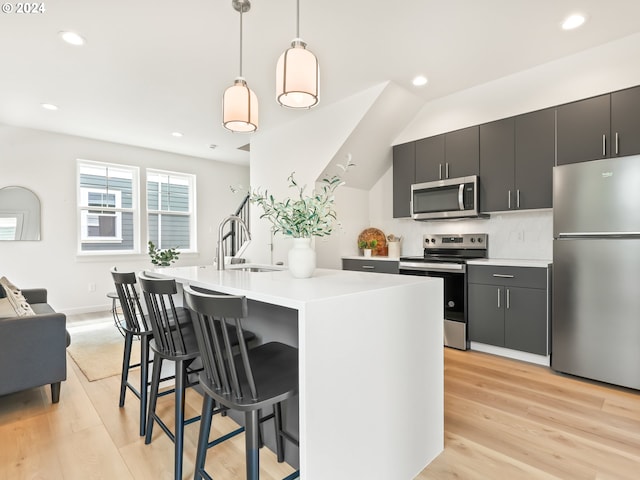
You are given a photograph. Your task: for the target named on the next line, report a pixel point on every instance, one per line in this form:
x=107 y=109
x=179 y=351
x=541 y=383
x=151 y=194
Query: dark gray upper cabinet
x=430 y=159
x=450 y=155
x=517 y=155
x=497 y=165
x=535 y=151
x=625 y=122
x=583 y=130
x=404 y=170
x=462 y=152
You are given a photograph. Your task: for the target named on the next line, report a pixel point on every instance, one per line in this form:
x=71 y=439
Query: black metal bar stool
x=247 y=381
x=135 y=326
x=174 y=341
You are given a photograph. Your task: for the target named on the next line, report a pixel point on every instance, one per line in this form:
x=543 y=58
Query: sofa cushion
x=39 y=308
x=13 y=295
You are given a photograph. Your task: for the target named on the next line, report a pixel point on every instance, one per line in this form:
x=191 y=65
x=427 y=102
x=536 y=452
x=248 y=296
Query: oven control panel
x=458 y=240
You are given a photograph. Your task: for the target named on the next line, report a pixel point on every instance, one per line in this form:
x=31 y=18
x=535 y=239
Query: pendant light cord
x=241 y=9
x=297 y=18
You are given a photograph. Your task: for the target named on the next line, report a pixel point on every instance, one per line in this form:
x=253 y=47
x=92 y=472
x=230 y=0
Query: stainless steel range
x=445 y=256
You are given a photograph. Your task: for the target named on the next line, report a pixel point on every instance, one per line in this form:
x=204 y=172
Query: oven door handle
x=434 y=267
x=461 y=196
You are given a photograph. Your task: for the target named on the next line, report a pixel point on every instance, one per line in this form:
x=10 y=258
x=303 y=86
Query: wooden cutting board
x=375 y=234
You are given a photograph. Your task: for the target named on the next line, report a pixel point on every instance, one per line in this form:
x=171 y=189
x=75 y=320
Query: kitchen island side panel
x=372 y=383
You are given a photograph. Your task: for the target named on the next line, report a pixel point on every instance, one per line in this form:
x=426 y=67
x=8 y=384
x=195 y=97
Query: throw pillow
x=6 y=309
x=20 y=305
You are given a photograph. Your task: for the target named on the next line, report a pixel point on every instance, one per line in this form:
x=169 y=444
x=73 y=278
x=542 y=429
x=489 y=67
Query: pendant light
x=240 y=104
x=298 y=74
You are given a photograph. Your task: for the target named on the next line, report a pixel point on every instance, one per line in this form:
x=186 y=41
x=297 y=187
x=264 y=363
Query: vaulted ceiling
x=153 y=67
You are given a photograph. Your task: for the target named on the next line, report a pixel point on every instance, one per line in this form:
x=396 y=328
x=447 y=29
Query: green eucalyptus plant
x=302 y=216
x=162 y=258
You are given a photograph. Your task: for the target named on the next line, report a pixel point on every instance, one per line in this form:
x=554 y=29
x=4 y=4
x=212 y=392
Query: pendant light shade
x=239 y=103
x=298 y=74
x=240 y=108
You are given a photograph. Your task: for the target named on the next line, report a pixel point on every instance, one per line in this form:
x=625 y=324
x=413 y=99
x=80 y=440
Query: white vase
x=366 y=252
x=302 y=258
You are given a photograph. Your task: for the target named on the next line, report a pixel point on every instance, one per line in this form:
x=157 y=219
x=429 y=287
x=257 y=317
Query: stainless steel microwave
x=442 y=199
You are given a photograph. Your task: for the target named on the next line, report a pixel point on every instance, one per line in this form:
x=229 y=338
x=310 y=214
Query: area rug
x=97 y=349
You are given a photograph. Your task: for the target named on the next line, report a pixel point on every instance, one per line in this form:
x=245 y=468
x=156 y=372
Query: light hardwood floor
x=504 y=419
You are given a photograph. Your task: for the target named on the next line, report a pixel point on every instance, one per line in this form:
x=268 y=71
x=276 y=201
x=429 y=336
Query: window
x=107 y=200
x=170 y=209
x=10 y=226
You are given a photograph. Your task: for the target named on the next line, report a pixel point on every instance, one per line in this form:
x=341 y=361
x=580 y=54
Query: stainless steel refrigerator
x=596 y=270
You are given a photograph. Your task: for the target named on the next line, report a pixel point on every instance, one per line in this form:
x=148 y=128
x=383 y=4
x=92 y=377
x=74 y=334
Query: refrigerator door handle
x=598 y=235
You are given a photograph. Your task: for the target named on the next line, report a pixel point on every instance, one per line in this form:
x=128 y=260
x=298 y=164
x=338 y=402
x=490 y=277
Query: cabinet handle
x=617 y=144
x=440 y=172
x=503 y=275
x=446 y=170
x=518 y=198
x=368 y=267
x=604 y=145
x=509 y=199
x=498 y=298
x=508 y=298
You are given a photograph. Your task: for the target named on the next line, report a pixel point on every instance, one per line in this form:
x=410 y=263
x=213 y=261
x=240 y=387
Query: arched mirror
x=19 y=214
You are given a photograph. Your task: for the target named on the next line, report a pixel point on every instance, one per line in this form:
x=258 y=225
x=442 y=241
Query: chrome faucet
x=220 y=253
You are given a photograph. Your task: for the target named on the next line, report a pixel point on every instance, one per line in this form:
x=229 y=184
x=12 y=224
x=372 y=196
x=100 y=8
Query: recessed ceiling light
x=420 y=80
x=49 y=106
x=573 y=21
x=72 y=38
x=176 y=134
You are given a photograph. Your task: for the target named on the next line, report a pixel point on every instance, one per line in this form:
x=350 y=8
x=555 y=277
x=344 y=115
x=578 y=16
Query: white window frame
x=83 y=210
x=191 y=180
x=86 y=213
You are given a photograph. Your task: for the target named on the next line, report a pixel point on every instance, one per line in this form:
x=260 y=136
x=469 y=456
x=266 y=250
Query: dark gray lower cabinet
x=371 y=265
x=508 y=307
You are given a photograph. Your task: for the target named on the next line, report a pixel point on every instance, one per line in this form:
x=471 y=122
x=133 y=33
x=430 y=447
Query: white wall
x=306 y=147
x=46 y=163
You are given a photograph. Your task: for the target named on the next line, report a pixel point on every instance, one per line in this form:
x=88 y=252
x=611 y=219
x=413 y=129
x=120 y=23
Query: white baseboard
x=544 y=360
x=87 y=309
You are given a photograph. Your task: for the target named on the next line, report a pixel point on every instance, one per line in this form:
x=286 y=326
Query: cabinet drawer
x=378 y=266
x=530 y=277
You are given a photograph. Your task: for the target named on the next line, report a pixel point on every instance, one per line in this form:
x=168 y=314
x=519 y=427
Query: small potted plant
x=162 y=258
x=367 y=246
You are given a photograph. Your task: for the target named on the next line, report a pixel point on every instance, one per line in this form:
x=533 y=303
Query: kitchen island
x=371 y=363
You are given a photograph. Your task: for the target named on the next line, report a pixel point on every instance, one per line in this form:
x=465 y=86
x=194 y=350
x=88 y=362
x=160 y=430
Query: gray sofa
x=33 y=347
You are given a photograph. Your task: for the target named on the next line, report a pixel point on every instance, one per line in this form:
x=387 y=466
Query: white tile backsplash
x=519 y=235
x=525 y=235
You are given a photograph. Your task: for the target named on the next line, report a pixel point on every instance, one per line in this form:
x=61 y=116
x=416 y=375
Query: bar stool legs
x=177 y=436
x=141 y=393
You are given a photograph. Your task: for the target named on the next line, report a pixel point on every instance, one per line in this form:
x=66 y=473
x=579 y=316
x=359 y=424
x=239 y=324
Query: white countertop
x=280 y=288
x=510 y=262
x=375 y=257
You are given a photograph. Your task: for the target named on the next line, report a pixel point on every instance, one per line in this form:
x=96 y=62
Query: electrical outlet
x=521 y=236
x=92 y=287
